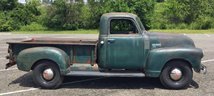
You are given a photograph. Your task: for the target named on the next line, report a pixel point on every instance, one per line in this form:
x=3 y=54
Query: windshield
x=140 y=23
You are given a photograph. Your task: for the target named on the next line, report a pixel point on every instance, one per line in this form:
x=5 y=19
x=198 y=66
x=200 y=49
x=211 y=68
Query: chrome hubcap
x=176 y=74
x=48 y=74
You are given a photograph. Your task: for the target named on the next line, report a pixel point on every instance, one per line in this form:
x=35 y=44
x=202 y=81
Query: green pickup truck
x=124 y=48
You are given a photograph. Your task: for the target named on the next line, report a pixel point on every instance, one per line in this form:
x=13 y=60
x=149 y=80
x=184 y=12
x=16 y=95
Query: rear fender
x=28 y=57
x=159 y=57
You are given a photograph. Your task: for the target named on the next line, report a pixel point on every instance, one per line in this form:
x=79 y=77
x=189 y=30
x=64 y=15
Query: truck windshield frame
x=140 y=24
x=117 y=28
x=135 y=22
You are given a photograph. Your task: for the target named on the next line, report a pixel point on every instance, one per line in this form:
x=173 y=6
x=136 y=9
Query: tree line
x=61 y=15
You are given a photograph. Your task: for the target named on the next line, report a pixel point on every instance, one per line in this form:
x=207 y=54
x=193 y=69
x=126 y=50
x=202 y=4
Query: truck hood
x=162 y=40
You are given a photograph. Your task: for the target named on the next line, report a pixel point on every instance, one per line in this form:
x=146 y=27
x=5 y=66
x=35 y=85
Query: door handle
x=111 y=40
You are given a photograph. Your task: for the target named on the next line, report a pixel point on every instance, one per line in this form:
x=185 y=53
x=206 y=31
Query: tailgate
x=11 y=57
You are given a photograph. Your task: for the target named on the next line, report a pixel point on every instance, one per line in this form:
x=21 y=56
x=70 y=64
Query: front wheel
x=176 y=75
x=47 y=75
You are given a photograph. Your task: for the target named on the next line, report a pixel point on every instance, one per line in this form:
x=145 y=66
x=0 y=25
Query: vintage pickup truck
x=124 y=48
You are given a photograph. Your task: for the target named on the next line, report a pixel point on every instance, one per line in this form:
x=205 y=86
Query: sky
x=21 y=1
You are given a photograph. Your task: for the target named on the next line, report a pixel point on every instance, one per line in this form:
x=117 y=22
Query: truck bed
x=60 y=41
x=80 y=50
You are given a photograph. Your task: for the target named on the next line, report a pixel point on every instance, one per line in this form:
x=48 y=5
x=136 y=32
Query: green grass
x=186 y=31
x=58 y=32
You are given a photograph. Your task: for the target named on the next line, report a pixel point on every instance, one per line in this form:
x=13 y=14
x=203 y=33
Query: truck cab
x=121 y=42
x=124 y=48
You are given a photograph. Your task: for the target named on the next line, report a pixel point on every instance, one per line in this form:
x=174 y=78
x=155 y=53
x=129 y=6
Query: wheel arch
x=177 y=59
x=43 y=60
x=28 y=58
x=158 y=58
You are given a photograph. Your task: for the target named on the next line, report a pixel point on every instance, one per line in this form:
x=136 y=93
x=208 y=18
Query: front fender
x=26 y=58
x=159 y=57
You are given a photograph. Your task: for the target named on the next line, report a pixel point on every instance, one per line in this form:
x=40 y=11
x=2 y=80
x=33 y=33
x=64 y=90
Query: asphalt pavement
x=14 y=82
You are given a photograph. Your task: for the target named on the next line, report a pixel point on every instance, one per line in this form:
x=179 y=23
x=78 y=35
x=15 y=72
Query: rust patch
x=89 y=59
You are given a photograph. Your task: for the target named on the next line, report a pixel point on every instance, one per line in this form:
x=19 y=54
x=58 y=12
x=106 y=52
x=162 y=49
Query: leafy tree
x=117 y=6
x=15 y=15
x=144 y=9
x=193 y=13
x=6 y=5
x=25 y=14
x=160 y=0
x=5 y=22
x=96 y=8
x=64 y=15
x=85 y=18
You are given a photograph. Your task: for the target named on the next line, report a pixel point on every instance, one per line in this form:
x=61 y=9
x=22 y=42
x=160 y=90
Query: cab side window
x=122 y=26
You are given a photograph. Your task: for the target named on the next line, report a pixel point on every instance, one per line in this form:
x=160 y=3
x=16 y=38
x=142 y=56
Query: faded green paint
x=159 y=57
x=120 y=51
x=64 y=55
x=125 y=52
x=30 y=56
x=145 y=52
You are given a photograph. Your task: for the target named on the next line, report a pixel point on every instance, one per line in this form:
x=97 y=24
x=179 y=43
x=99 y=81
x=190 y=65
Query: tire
x=182 y=81
x=39 y=79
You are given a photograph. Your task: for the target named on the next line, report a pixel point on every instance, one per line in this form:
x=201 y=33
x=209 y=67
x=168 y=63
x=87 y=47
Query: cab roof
x=119 y=14
x=104 y=20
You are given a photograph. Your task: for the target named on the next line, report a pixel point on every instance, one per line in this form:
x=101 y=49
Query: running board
x=105 y=74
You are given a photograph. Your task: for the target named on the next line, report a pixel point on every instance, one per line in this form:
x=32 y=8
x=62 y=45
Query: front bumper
x=203 y=69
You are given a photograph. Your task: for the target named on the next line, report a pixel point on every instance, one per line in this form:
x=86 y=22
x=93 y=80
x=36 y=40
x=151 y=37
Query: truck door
x=124 y=45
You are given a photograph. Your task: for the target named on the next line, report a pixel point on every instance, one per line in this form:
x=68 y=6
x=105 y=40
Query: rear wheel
x=176 y=75
x=47 y=75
